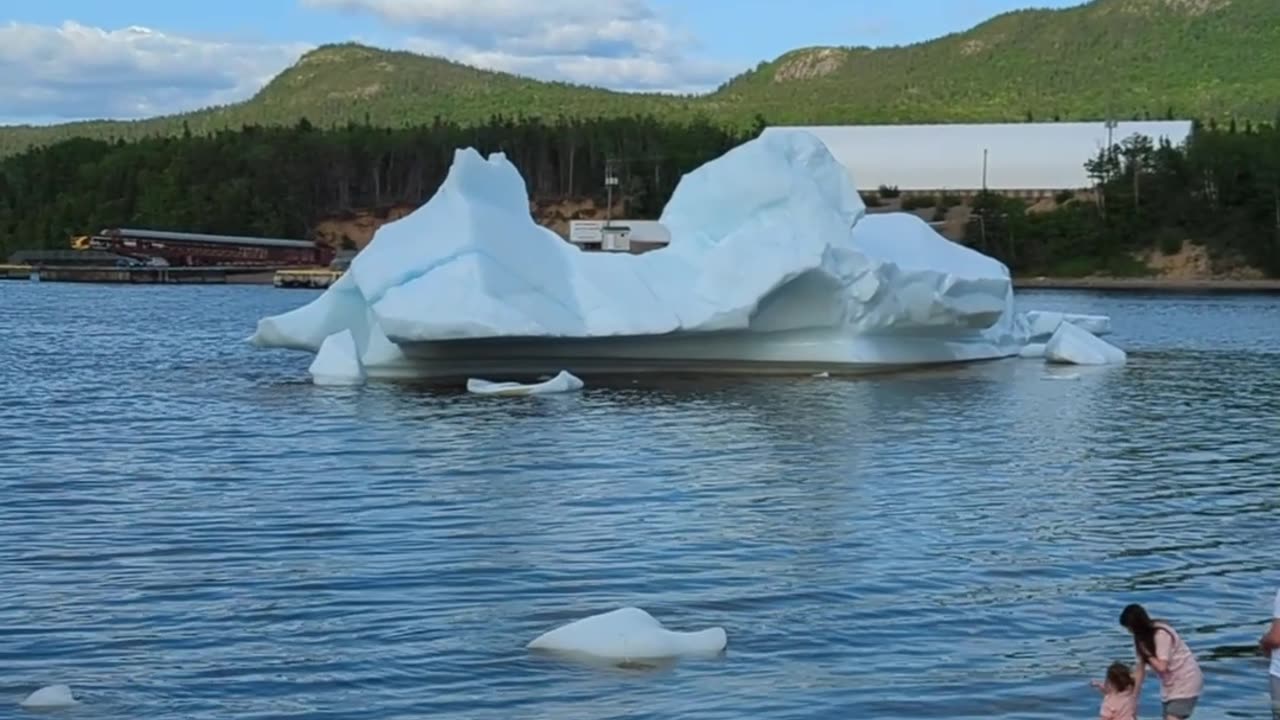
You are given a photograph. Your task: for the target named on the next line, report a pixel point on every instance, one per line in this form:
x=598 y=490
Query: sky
x=76 y=59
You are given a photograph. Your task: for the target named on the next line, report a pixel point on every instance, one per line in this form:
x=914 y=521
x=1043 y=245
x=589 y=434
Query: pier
x=146 y=275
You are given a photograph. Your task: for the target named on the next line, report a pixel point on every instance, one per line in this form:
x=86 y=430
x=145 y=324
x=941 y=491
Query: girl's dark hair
x=1135 y=618
x=1119 y=677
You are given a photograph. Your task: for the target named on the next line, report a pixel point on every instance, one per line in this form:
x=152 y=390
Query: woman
x=1157 y=644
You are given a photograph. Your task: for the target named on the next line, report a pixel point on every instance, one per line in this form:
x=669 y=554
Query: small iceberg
x=629 y=635
x=338 y=362
x=563 y=382
x=52 y=697
x=1041 y=324
x=1074 y=345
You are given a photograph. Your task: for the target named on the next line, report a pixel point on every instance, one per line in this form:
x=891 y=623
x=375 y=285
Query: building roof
x=1020 y=156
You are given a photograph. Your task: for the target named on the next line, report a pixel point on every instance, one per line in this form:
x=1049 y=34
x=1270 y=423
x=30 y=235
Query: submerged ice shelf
x=773 y=267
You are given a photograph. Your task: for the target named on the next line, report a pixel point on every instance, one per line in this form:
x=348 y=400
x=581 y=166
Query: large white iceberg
x=773 y=266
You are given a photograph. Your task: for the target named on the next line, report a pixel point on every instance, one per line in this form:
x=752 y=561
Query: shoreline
x=1149 y=284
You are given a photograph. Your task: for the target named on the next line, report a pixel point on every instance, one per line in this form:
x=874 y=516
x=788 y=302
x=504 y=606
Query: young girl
x=1119 y=694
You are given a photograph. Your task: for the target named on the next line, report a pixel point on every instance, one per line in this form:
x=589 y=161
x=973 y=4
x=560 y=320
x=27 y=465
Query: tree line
x=1220 y=189
x=282 y=181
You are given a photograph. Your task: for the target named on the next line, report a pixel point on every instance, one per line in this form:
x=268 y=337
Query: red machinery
x=198 y=249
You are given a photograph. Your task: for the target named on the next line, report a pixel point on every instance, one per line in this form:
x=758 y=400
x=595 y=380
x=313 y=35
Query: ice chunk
x=1042 y=323
x=1074 y=345
x=561 y=383
x=773 y=266
x=629 y=635
x=50 y=698
x=1032 y=350
x=338 y=362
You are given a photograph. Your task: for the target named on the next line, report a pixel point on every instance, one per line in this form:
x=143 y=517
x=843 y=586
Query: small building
x=633 y=236
x=1020 y=159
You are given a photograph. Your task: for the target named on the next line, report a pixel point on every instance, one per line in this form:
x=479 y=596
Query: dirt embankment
x=1190 y=265
x=356 y=229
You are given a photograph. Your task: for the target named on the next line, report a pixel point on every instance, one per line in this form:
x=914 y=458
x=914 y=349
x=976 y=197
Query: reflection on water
x=191 y=530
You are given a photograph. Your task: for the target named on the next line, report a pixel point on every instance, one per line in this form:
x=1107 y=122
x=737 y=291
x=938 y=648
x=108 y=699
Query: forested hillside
x=1124 y=58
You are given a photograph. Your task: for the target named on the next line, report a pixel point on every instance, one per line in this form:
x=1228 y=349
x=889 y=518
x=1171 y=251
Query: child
x=1119 y=694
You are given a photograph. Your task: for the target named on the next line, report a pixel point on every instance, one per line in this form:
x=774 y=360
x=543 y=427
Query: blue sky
x=68 y=59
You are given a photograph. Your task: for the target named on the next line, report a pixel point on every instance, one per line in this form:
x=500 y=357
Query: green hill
x=1127 y=58
x=1189 y=58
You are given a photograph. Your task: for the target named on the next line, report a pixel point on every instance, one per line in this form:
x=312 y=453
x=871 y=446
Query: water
x=188 y=529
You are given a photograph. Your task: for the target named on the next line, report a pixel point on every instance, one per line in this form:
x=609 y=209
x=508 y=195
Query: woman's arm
x=1163 y=651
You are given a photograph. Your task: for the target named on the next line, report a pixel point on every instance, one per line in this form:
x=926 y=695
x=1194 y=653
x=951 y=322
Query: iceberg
x=563 y=382
x=629 y=635
x=1074 y=345
x=773 y=266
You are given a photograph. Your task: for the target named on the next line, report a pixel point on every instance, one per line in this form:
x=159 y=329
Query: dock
x=137 y=275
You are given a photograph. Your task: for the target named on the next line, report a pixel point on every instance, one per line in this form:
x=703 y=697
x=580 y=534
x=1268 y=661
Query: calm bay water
x=188 y=529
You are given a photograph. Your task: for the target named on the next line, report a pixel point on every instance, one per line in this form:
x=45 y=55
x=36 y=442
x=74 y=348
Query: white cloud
x=75 y=71
x=638 y=73
x=620 y=44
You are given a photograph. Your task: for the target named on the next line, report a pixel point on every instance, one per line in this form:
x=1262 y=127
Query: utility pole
x=610 y=182
x=984 y=171
x=1111 y=126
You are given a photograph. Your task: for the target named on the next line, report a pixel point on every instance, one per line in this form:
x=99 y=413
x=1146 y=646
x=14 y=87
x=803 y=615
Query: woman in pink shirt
x=1157 y=644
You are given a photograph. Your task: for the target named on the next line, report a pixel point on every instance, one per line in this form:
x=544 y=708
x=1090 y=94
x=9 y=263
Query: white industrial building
x=1020 y=158
x=618 y=235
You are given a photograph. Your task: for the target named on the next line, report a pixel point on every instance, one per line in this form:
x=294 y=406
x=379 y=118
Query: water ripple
x=191 y=530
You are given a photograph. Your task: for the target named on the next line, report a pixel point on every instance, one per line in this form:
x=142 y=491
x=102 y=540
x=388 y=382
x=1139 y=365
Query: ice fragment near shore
x=1041 y=324
x=52 y=697
x=1071 y=344
x=629 y=635
x=563 y=382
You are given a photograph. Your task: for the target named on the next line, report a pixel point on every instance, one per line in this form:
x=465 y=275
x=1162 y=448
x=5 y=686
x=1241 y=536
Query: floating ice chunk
x=629 y=635
x=338 y=362
x=773 y=263
x=1042 y=323
x=1032 y=350
x=561 y=383
x=1074 y=345
x=50 y=698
